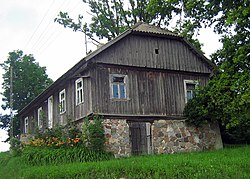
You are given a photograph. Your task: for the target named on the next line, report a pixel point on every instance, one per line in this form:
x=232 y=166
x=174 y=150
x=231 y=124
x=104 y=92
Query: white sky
x=28 y=25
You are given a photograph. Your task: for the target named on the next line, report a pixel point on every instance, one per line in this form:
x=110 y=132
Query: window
x=40 y=118
x=26 y=125
x=118 y=86
x=50 y=112
x=62 y=101
x=79 y=91
x=189 y=86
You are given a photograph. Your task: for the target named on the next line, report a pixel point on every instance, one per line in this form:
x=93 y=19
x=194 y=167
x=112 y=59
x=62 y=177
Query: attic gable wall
x=140 y=51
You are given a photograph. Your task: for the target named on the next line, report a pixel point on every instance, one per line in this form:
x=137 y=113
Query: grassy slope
x=227 y=163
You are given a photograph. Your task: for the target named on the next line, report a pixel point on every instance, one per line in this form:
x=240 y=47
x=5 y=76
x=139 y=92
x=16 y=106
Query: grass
x=48 y=156
x=226 y=163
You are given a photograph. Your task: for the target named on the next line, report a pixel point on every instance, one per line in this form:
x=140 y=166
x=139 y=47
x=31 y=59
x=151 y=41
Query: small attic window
x=156 y=51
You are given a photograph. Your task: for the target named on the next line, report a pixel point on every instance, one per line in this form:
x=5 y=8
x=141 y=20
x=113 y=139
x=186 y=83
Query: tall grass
x=226 y=163
x=49 y=156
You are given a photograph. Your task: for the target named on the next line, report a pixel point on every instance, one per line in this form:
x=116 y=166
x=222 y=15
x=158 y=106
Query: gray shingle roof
x=146 y=28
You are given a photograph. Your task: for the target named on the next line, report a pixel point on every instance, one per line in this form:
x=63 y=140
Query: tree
x=227 y=97
x=111 y=18
x=29 y=80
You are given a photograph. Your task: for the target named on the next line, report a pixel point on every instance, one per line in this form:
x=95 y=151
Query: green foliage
x=5 y=157
x=226 y=163
x=93 y=133
x=57 y=137
x=29 y=80
x=111 y=18
x=223 y=100
x=5 y=124
x=49 y=156
x=91 y=136
x=196 y=110
x=15 y=147
x=227 y=97
x=67 y=144
x=225 y=16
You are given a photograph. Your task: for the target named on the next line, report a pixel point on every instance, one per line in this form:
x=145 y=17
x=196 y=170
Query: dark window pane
x=62 y=96
x=190 y=86
x=81 y=96
x=189 y=94
x=79 y=85
x=115 y=91
x=117 y=79
x=122 y=91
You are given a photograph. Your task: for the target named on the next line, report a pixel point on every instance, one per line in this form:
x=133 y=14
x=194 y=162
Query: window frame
x=26 y=125
x=39 y=120
x=50 y=111
x=80 y=90
x=62 y=101
x=193 y=82
x=125 y=83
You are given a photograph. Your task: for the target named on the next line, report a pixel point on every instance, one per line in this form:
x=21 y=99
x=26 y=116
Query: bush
x=57 y=137
x=68 y=144
x=196 y=111
x=93 y=133
x=15 y=147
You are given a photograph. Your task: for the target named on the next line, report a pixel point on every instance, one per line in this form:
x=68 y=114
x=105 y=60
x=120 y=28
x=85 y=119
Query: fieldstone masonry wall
x=117 y=135
x=168 y=136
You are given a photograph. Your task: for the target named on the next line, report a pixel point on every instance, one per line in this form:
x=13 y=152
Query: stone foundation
x=167 y=136
x=170 y=136
x=117 y=135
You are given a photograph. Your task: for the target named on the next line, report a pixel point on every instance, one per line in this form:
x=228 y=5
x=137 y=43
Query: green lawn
x=226 y=163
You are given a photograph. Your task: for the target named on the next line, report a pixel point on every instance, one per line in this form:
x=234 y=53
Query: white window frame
x=79 y=92
x=50 y=112
x=194 y=82
x=26 y=125
x=125 y=86
x=39 y=120
x=62 y=101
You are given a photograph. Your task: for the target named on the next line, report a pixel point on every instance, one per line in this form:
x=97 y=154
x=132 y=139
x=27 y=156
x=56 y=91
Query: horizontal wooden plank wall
x=136 y=50
x=149 y=92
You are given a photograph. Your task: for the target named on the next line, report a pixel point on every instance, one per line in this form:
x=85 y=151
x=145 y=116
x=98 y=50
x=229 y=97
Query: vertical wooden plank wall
x=156 y=68
x=140 y=51
x=149 y=92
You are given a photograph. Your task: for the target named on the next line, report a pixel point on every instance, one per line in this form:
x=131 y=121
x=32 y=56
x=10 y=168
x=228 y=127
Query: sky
x=28 y=25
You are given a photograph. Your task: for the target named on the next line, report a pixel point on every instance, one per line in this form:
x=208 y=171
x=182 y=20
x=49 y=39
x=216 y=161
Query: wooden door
x=140 y=137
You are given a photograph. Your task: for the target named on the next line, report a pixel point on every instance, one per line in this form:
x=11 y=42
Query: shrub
x=15 y=147
x=197 y=111
x=57 y=137
x=93 y=133
x=68 y=144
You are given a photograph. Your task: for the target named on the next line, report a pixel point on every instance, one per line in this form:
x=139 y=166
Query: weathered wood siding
x=73 y=111
x=156 y=68
x=86 y=107
x=151 y=92
x=136 y=50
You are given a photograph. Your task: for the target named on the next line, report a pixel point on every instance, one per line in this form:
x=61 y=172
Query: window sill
x=61 y=113
x=116 y=99
x=79 y=103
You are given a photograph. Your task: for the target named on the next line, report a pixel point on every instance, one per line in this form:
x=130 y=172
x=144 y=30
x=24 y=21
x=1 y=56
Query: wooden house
x=139 y=82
